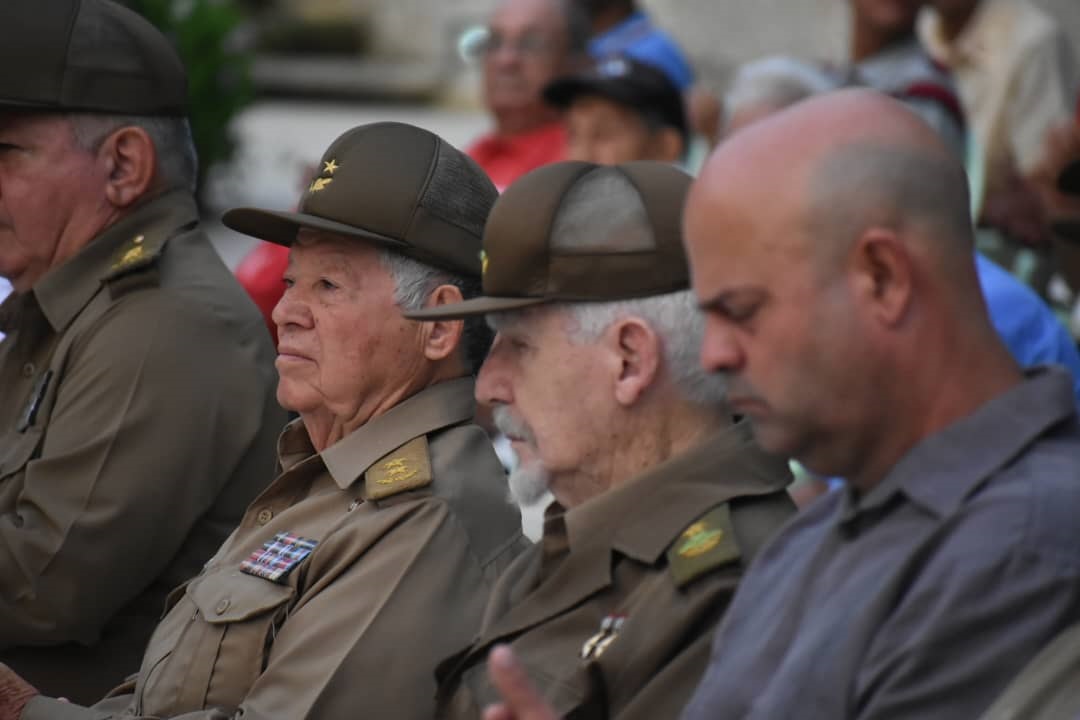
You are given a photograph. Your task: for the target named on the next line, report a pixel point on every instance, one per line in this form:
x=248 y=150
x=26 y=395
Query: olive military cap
x=395 y=185
x=580 y=232
x=87 y=56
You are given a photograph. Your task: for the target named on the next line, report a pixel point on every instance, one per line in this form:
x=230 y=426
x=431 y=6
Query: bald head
x=851 y=160
x=831 y=250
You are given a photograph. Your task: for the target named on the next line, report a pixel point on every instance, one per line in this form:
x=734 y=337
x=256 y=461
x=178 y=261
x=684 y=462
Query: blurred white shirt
x=5 y=290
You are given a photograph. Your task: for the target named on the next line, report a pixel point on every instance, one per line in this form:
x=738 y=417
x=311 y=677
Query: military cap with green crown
x=87 y=56
x=395 y=185
x=580 y=232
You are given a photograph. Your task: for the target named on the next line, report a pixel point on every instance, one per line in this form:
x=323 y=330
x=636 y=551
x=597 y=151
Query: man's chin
x=529 y=483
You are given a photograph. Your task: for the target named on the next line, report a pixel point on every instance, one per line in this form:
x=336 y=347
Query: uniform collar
x=441 y=405
x=943 y=470
x=642 y=517
x=974 y=43
x=64 y=291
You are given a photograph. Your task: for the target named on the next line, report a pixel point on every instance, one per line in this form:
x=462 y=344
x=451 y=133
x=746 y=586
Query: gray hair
x=178 y=164
x=680 y=325
x=775 y=82
x=414 y=282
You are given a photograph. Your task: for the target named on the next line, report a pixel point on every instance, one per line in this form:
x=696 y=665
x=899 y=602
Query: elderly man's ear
x=635 y=351
x=441 y=338
x=130 y=163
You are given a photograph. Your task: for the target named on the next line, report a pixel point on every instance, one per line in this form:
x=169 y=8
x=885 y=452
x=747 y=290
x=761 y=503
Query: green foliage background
x=205 y=33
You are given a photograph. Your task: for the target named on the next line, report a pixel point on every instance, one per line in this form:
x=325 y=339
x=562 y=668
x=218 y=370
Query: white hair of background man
x=775 y=82
x=679 y=324
x=5 y=290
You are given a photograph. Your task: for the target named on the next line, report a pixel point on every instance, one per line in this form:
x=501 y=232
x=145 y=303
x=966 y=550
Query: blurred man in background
x=528 y=43
x=1018 y=79
x=621 y=110
x=886 y=55
x=620 y=27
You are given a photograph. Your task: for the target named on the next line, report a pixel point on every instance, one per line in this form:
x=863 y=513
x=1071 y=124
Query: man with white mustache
x=660 y=499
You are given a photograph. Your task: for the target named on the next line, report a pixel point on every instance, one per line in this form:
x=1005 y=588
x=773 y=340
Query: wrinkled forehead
x=517 y=17
x=323 y=248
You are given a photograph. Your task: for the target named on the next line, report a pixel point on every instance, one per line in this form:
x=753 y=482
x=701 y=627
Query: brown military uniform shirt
x=1048 y=688
x=612 y=613
x=137 y=420
x=387 y=545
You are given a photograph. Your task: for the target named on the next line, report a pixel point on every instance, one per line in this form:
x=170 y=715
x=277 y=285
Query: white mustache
x=510 y=424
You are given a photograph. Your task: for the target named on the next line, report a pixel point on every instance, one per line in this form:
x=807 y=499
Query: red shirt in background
x=260 y=273
x=505 y=158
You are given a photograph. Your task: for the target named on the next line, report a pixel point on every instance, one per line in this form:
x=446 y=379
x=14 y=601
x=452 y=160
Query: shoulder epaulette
x=407 y=468
x=134 y=258
x=706 y=544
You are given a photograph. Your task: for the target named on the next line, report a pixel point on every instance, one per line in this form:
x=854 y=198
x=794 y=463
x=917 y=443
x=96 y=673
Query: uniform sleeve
x=1044 y=95
x=967 y=629
x=156 y=404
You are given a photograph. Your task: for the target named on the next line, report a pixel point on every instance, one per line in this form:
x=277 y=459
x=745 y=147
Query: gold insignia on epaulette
x=396 y=471
x=707 y=543
x=483 y=263
x=330 y=167
x=699 y=539
x=407 y=468
x=319 y=184
x=134 y=253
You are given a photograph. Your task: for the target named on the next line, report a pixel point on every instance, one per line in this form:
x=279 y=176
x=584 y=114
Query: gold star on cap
x=320 y=184
x=330 y=167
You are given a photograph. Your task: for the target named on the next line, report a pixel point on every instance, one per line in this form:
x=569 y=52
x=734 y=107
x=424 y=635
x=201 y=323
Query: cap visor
x=281 y=227
x=475 y=306
x=563 y=92
x=1069 y=179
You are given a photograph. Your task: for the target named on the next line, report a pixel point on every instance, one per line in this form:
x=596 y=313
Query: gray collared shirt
x=923 y=598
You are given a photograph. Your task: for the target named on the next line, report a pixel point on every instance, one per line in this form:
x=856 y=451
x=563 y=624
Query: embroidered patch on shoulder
x=136 y=253
x=407 y=468
x=708 y=543
x=278 y=557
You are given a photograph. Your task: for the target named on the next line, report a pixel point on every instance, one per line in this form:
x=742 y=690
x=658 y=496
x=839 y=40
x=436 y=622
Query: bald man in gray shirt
x=953 y=553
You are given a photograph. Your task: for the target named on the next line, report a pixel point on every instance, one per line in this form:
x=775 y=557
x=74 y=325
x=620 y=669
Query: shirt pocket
x=227 y=622
x=16 y=451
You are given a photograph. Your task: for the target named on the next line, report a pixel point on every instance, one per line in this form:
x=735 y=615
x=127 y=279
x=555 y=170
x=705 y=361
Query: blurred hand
x=521 y=701
x=1060 y=148
x=14 y=693
x=1018 y=210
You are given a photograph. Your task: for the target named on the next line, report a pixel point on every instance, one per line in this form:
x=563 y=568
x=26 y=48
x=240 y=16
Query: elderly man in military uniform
x=372 y=554
x=137 y=410
x=661 y=501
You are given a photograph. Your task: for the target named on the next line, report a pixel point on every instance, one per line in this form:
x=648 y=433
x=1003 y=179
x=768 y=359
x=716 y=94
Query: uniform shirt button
x=264 y=516
x=222 y=606
x=28 y=370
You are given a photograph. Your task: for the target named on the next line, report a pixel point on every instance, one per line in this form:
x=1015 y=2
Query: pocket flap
x=17 y=449
x=231 y=596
